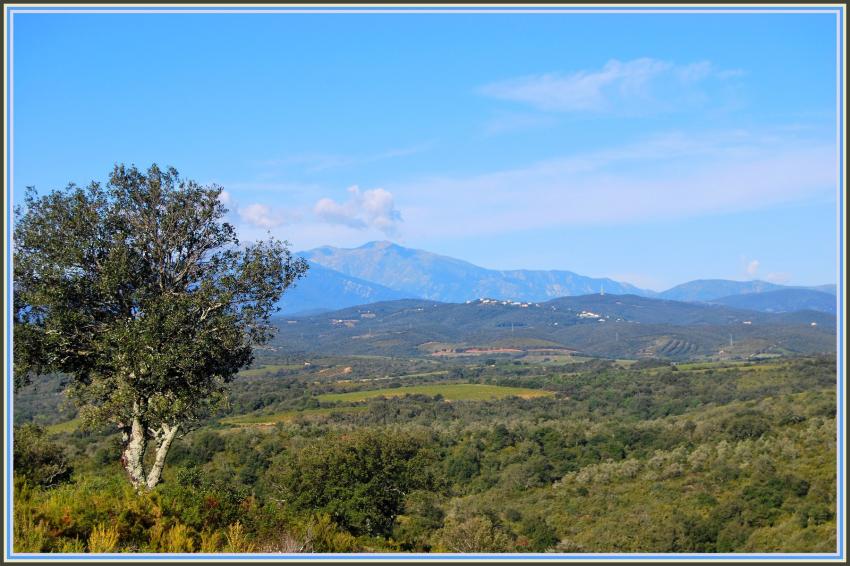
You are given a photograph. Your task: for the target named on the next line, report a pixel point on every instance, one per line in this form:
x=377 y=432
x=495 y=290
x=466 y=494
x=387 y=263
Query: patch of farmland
x=449 y=391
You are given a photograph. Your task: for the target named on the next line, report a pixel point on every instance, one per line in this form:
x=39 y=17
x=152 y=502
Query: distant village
x=485 y=301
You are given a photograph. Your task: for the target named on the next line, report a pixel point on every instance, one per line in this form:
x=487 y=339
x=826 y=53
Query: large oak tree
x=141 y=292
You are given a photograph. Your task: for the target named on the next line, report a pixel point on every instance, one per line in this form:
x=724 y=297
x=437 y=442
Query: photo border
x=10 y=10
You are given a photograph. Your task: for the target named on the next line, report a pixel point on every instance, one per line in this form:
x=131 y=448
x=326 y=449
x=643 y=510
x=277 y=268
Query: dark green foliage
x=422 y=516
x=205 y=445
x=748 y=425
x=37 y=459
x=463 y=462
x=539 y=534
x=360 y=479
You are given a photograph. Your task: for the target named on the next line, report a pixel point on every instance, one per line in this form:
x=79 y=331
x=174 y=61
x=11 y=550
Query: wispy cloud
x=264 y=216
x=514 y=121
x=617 y=86
x=373 y=208
x=663 y=177
x=752 y=268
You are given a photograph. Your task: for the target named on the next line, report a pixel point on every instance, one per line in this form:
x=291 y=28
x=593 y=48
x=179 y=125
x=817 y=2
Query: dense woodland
x=612 y=456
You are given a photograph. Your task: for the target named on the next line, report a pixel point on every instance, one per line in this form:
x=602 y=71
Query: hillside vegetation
x=377 y=454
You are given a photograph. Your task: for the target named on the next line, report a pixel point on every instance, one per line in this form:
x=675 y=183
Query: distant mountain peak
x=384 y=269
x=420 y=273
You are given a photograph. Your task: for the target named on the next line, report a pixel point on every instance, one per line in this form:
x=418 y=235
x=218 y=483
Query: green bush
x=359 y=479
x=37 y=459
x=539 y=533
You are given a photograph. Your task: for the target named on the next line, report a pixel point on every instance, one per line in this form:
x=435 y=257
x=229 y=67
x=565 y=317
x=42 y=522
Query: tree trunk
x=135 y=443
x=164 y=437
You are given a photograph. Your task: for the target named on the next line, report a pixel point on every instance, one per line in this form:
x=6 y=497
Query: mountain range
x=324 y=289
x=384 y=271
x=782 y=300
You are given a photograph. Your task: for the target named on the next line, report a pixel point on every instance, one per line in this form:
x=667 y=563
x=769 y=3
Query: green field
x=450 y=392
x=67 y=426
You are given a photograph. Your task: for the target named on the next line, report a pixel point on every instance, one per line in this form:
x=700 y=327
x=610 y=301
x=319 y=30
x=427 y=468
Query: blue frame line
x=9 y=12
x=259 y=8
x=7 y=201
x=840 y=351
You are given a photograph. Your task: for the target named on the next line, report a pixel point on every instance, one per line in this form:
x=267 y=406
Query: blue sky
x=651 y=148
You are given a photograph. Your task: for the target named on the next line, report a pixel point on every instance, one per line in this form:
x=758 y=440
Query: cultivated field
x=450 y=392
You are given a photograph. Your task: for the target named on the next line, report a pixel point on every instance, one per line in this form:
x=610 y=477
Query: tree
x=140 y=291
x=360 y=479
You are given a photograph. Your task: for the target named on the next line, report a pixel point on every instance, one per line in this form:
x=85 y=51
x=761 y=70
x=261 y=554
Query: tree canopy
x=140 y=290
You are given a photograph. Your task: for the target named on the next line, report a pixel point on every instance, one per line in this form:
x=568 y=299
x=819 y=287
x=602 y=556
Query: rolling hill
x=712 y=289
x=782 y=300
x=622 y=326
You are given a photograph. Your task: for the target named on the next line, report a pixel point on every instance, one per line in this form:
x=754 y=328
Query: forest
x=493 y=454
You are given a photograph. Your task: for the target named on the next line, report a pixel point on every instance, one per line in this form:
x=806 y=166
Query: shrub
x=30 y=536
x=37 y=459
x=103 y=539
x=237 y=539
x=748 y=425
x=174 y=539
x=476 y=534
x=323 y=535
x=539 y=533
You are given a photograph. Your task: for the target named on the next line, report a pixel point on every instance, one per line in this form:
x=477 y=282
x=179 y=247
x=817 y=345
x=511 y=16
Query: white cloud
x=373 y=208
x=264 y=216
x=617 y=86
x=258 y=215
x=752 y=268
